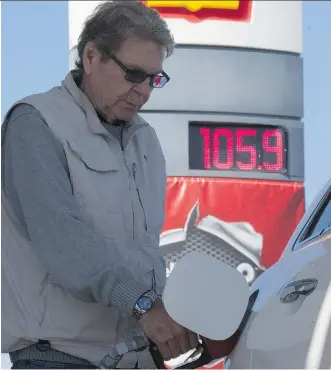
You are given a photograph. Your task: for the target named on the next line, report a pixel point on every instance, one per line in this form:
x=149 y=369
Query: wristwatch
x=144 y=304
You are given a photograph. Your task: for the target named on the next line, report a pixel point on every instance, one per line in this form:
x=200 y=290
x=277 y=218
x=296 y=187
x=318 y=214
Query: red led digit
x=229 y=150
x=277 y=149
x=240 y=133
x=205 y=132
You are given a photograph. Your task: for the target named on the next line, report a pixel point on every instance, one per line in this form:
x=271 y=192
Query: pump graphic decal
x=244 y=223
x=198 y=11
x=237 y=244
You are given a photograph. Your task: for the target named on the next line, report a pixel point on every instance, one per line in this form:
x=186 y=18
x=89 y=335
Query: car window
x=319 y=223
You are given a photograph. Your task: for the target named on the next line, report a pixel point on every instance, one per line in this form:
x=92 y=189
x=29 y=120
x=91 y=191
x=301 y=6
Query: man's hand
x=171 y=338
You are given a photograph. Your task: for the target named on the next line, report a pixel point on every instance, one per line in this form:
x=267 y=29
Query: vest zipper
x=123 y=149
x=128 y=172
x=154 y=282
x=132 y=207
x=134 y=170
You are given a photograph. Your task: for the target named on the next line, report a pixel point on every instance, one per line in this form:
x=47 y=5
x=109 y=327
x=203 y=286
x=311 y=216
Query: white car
x=288 y=324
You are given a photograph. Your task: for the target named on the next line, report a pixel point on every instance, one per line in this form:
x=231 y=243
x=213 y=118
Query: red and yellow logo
x=197 y=11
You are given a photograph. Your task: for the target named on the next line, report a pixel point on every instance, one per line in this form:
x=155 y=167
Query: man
x=83 y=189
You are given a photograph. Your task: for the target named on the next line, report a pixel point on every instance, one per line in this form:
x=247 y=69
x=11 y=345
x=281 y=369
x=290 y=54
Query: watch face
x=144 y=303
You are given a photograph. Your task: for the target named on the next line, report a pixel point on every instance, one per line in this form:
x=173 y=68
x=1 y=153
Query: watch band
x=150 y=294
x=138 y=312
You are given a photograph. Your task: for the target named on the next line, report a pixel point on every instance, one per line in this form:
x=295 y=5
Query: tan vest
x=130 y=221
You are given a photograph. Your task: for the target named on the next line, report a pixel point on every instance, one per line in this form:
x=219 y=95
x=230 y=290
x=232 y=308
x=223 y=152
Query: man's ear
x=90 y=56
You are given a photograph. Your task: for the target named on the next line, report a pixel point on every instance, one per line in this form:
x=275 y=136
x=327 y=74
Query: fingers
x=171 y=338
x=174 y=348
x=184 y=344
x=193 y=339
x=165 y=351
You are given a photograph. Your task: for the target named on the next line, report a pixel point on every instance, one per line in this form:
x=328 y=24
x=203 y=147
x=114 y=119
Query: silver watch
x=144 y=304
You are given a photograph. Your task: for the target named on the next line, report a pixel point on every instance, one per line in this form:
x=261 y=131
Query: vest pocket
x=97 y=186
x=99 y=158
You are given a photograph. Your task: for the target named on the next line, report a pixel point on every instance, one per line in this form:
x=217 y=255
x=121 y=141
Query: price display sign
x=237 y=147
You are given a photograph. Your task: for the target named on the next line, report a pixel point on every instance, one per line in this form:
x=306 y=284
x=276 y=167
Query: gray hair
x=113 y=22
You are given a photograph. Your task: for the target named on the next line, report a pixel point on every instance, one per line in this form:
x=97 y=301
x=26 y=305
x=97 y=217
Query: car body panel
x=291 y=334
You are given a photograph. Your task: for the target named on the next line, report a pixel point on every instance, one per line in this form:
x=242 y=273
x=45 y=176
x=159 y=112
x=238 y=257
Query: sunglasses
x=136 y=76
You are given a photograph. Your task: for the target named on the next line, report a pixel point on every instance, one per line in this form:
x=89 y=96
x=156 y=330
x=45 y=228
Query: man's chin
x=127 y=116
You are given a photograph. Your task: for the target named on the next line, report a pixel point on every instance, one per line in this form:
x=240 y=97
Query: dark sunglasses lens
x=159 y=82
x=136 y=77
